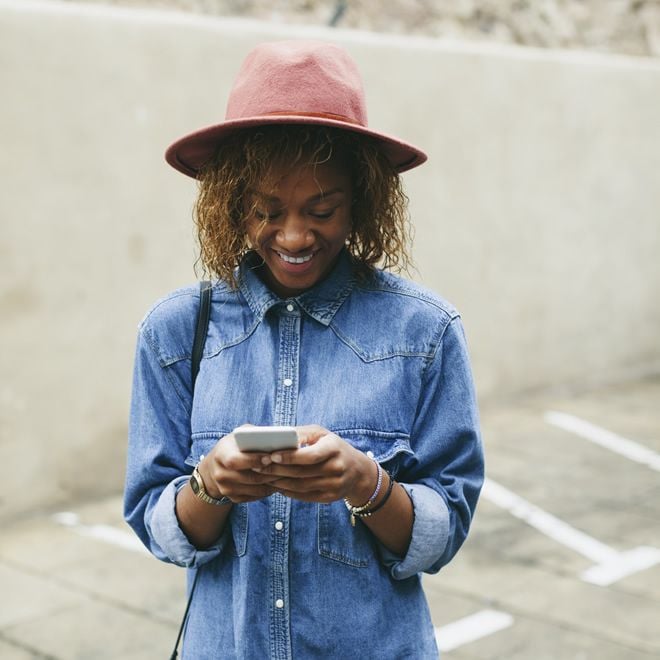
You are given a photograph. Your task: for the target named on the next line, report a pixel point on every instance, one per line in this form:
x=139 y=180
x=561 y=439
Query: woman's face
x=299 y=227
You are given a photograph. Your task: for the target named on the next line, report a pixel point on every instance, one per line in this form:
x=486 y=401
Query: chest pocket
x=338 y=540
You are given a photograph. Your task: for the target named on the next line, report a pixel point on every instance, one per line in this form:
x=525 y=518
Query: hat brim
x=191 y=152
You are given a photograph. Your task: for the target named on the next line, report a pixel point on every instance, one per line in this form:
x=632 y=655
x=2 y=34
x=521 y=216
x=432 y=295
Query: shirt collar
x=321 y=302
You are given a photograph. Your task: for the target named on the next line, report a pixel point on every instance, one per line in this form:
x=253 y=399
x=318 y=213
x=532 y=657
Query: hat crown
x=306 y=78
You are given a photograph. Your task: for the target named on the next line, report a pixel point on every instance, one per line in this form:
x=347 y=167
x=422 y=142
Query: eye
x=266 y=215
x=323 y=214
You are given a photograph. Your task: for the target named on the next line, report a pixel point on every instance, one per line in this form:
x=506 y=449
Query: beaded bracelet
x=359 y=510
x=380 y=504
x=365 y=511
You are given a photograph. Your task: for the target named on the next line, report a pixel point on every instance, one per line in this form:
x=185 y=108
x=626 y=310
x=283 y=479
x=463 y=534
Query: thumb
x=310 y=434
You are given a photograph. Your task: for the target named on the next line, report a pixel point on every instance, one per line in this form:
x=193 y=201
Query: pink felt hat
x=292 y=82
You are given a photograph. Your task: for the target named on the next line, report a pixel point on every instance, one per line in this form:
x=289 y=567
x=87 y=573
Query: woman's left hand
x=324 y=469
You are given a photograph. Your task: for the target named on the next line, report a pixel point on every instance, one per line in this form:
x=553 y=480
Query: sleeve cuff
x=430 y=534
x=165 y=531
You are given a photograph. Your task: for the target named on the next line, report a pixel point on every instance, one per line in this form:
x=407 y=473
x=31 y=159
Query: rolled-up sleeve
x=430 y=533
x=158 y=445
x=163 y=528
x=445 y=473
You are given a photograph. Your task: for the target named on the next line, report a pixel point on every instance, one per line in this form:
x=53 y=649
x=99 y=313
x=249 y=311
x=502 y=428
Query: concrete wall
x=537 y=213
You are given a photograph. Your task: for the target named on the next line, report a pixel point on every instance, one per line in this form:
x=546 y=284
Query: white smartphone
x=266 y=438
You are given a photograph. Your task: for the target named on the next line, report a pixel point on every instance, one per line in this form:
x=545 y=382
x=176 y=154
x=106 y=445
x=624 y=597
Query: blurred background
x=537 y=215
x=615 y=26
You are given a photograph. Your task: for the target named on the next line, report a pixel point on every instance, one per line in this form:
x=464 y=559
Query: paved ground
x=557 y=504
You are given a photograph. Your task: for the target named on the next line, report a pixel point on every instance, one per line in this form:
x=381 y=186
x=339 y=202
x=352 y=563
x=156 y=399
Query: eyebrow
x=314 y=198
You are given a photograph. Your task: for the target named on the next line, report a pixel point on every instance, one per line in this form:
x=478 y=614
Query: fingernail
x=266 y=460
x=277 y=458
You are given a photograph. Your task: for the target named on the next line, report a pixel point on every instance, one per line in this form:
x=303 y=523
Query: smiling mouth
x=295 y=260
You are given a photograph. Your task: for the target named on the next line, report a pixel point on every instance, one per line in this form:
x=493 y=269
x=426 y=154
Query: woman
x=314 y=552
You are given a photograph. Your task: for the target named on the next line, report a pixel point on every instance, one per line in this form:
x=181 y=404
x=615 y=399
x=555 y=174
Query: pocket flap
x=381 y=445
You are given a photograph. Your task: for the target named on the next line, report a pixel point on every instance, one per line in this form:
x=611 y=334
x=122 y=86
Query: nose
x=294 y=234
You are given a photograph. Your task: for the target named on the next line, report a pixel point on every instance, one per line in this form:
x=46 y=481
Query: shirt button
x=288 y=382
x=279 y=525
x=370 y=454
x=290 y=307
x=279 y=603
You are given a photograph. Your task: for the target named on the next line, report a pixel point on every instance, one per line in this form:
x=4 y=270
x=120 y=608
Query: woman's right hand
x=227 y=471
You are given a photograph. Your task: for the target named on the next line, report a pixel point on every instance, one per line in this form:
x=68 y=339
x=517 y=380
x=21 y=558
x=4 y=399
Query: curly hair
x=381 y=230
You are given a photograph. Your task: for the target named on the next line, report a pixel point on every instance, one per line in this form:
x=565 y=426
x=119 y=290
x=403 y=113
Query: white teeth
x=295 y=260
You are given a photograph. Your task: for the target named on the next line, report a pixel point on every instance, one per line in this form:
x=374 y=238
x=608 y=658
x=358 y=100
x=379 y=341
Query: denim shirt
x=379 y=361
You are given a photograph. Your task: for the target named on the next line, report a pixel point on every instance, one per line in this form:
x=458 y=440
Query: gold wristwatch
x=197 y=485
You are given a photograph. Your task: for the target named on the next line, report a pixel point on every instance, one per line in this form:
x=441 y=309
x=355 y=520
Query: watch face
x=194 y=485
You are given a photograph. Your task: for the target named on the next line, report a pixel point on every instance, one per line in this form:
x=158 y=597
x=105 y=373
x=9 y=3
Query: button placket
x=280 y=506
x=287 y=391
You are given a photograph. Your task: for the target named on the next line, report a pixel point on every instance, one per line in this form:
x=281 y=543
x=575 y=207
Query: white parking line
x=471 y=628
x=600 y=436
x=611 y=565
x=104 y=533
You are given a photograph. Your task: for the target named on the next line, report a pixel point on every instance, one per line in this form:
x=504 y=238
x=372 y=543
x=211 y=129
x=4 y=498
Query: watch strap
x=197 y=484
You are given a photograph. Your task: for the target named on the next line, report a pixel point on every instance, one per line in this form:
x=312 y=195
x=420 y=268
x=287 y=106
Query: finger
x=295 y=471
x=309 y=434
x=251 y=484
x=251 y=464
x=231 y=457
x=252 y=494
x=319 y=452
x=238 y=483
x=253 y=477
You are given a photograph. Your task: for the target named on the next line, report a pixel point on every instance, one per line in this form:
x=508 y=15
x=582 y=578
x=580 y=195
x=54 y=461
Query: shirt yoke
x=389 y=316
x=169 y=325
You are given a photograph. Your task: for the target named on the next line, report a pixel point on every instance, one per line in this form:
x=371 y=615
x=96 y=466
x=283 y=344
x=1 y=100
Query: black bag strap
x=175 y=652
x=201 y=330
